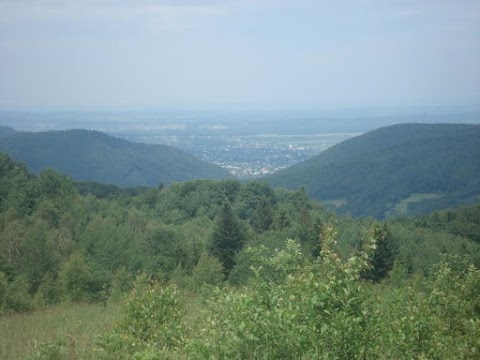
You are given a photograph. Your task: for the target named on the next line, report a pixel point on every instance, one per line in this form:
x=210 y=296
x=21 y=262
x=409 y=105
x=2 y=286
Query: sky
x=272 y=54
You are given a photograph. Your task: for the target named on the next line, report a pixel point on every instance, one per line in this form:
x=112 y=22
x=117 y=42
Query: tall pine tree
x=263 y=215
x=227 y=238
x=384 y=256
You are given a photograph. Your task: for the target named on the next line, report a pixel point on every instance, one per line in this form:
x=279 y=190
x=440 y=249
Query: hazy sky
x=134 y=54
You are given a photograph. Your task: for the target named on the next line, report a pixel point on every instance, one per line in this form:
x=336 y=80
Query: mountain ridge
x=370 y=174
x=96 y=156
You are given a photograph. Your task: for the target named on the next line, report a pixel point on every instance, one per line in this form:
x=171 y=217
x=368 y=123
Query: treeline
x=62 y=241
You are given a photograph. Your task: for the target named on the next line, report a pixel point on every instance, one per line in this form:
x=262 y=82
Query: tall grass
x=73 y=327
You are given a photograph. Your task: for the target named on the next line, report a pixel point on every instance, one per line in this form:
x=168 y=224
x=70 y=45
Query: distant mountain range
x=395 y=170
x=95 y=156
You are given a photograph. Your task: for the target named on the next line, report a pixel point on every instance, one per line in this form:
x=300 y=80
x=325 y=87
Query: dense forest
x=223 y=269
x=106 y=159
x=403 y=169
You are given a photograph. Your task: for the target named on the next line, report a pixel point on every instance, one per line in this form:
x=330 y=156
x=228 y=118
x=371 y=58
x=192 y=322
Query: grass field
x=72 y=327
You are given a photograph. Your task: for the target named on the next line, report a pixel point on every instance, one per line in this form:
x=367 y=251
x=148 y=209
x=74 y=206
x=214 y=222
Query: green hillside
x=95 y=156
x=400 y=169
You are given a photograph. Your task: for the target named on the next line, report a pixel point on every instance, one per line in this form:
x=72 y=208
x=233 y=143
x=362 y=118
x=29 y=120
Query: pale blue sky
x=136 y=54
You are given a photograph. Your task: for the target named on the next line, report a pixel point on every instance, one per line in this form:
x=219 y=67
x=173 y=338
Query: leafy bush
x=207 y=272
x=293 y=309
x=14 y=295
x=151 y=325
x=75 y=277
x=298 y=309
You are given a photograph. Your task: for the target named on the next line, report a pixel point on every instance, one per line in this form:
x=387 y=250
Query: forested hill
x=92 y=155
x=400 y=169
x=6 y=131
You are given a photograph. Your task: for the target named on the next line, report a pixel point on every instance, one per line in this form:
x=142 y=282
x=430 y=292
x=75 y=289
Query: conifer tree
x=263 y=217
x=282 y=220
x=384 y=256
x=319 y=232
x=227 y=238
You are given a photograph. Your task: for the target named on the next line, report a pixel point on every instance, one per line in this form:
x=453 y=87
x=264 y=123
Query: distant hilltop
x=95 y=156
x=395 y=170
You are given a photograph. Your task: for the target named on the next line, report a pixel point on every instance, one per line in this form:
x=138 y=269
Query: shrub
x=75 y=277
x=293 y=309
x=14 y=294
x=151 y=325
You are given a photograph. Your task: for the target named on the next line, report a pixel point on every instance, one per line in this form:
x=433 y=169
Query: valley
x=249 y=144
x=246 y=156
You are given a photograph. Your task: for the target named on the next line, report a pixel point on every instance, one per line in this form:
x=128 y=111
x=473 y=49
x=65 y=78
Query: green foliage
x=121 y=283
x=463 y=221
x=164 y=248
x=14 y=294
x=108 y=243
x=420 y=248
x=434 y=319
x=54 y=186
x=298 y=309
x=227 y=238
x=385 y=254
x=49 y=291
x=16 y=190
x=293 y=309
x=37 y=253
x=263 y=215
x=151 y=325
x=251 y=194
x=208 y=271
x=304 y=298
x=75 y=277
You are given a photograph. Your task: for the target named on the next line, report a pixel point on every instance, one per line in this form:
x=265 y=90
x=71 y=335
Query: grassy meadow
x=72 y=328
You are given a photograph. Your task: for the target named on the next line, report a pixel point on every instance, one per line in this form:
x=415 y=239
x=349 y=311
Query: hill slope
x=400 y=169
x=6 y=131
x=92 y=155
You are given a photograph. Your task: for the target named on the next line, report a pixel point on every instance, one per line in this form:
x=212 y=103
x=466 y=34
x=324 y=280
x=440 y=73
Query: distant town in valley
x=247 y=156
x=248 y=144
